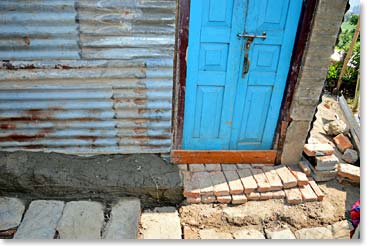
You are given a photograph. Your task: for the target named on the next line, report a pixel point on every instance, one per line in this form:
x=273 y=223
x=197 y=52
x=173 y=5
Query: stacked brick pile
x=326 y=167
x=237 y=184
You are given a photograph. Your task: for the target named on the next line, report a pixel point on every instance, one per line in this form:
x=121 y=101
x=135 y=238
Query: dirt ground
x=273 y=214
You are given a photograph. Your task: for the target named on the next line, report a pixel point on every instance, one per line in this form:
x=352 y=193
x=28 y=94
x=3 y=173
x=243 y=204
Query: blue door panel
x=223 y=109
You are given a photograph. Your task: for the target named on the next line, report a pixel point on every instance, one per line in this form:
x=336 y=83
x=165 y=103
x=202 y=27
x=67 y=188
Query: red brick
x=286 y=176
x=350 y=172
x=342 y=142
x=191 y=189
x=293 y=196
x=193 y=200
x=224 y=199
x=279 y=194
x=318 y=149
x=266 y=195
x=253 y=196
x=301 y=177
x=320 y=195
x=261 y=180
x=307 y=194
x=273 y=178
x=208 y=199
x=234 y=182
x=248 y=181
x=220 y=184
x=239 y=199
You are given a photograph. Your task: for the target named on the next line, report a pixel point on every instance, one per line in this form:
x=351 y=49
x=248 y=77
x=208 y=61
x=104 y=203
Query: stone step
x=124 y=220
x=40 y=220
x=81 y=220
x=160 y=223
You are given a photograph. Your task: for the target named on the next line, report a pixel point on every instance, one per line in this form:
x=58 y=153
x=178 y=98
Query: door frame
x=179 y=88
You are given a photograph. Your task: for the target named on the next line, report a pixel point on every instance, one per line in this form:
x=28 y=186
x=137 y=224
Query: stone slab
x=196 y=167
x=243 y=166
x=213 y=167
x=11 y=212
x=220 y=185
x=234 y=182
x=40 y=220
x=161 y=223
x=81 y=220
x=213 y=234
x=341 y=229
x=248 y=234
x=190 y=233
x=286 y=176
x=124 y=220
x=282 y=234
x=229 y=167
x=314 y=233
x=248 y=181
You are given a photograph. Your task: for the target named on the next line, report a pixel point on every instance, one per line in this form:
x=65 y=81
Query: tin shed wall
x=86 y=77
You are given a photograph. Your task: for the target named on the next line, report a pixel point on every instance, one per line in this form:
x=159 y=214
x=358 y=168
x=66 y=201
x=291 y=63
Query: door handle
x=251 y=36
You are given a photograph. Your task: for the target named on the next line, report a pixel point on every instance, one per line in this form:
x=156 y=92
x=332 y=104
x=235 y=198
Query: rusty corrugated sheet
x=114 y=95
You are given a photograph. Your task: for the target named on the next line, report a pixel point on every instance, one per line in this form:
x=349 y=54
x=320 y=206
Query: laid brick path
x=237 y=184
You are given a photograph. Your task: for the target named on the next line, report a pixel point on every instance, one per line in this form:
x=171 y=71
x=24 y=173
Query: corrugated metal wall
x=86 y=76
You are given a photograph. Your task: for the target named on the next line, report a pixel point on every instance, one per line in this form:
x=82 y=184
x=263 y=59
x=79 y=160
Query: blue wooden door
x=224 y=108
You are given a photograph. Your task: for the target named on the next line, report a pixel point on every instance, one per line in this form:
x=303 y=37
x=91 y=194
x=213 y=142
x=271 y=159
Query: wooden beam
x=223 y=156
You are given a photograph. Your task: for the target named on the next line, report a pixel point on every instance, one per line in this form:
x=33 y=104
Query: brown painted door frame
x=272 y=156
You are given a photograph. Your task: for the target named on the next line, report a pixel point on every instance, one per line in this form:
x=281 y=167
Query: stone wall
x=326 y=23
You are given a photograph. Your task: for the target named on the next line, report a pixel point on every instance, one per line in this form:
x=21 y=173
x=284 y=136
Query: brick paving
x=238 y=184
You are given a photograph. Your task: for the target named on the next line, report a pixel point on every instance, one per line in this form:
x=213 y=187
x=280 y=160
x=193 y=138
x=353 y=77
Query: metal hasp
x=251 y=36
x=246 y=60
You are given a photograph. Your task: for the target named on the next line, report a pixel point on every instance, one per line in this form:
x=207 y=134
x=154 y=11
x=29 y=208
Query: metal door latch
x=251 y=36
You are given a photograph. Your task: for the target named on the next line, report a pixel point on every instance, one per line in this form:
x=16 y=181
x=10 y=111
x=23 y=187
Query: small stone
x=283 y=234
x=11 y=212
x=314 y=233
x=248 y=234
x=213 y=167
x=335 y=127
x=81 y=220
x=161 y=223
x=196 y=167
x=341 y=229
x=350 y=172
x=350 y=156
x=213 y=234
x=189 y=233
x=124 y=220
x=342 y=142
x=40 y=220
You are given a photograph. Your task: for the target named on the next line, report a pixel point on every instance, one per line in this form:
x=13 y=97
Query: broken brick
x=342 y=142
x=318 y=149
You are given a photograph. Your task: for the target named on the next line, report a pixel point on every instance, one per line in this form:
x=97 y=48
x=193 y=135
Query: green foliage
x=351 y=73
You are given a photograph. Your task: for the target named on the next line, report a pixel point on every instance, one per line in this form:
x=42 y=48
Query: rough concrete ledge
x=53 y=175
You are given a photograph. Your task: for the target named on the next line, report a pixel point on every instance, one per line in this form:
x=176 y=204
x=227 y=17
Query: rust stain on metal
x=21 y=137
x=8 y=126
x=26 y=40
x=87 y=138
x=139 y=101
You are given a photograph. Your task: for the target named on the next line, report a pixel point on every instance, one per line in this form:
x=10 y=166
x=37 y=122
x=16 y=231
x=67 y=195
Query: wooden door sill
x=223 y=156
